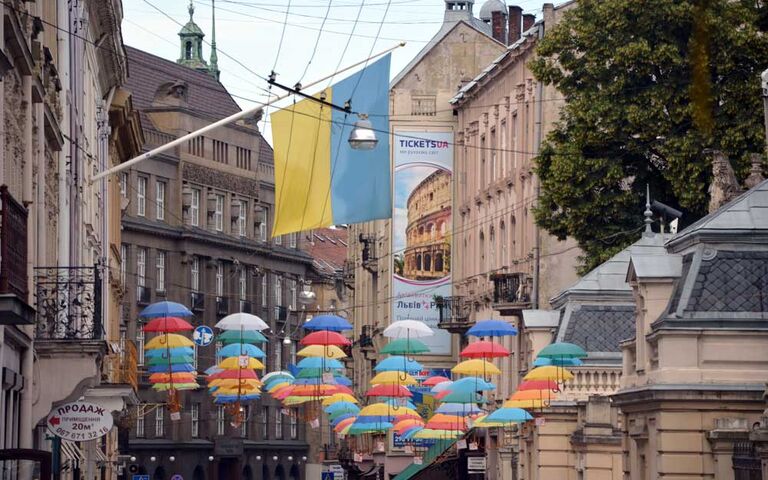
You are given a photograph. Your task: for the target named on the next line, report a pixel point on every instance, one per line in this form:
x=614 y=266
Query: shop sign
x=475 y=464
x=80 y=421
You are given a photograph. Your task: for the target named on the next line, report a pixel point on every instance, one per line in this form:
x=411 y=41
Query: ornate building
x=428 y=242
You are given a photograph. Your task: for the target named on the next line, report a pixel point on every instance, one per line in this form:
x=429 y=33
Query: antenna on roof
x=648 y=213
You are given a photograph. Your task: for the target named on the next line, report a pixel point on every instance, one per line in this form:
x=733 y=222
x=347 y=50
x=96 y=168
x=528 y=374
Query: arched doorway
x=265 y=472
x=294 y=475
x=159 y=474
x=279 y=473
x=199 y=473
x=247 y=473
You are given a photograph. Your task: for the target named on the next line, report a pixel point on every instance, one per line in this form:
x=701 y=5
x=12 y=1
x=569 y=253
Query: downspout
x=103 y=132
x=537 y=184
x=63 y=223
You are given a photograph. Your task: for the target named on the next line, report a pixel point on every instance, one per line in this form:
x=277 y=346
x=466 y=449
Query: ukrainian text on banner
x=421 y=229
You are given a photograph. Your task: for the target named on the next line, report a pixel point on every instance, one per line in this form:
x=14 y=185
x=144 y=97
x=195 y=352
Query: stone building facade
x=196 y=230
x=428 y=246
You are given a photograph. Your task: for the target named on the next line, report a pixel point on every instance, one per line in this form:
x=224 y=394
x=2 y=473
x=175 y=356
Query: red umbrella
x=539 y=385
x=432 y=381
x=168 y=324
x=325 y=337
x=484 y=349
x=388 y=390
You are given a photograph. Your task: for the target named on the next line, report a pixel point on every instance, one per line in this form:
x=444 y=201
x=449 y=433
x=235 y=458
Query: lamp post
x=764 y=81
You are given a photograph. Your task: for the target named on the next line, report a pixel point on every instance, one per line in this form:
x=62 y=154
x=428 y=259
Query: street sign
x=475 y=464
x=328 y=476
x=203 y=336
x=337 y=470
x=177 y=477
x=79 y=421
x=140 y=477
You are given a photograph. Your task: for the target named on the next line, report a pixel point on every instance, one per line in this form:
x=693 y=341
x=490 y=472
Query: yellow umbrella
x=233 y=363
x=339 y=397
x=393 y=377
x=327 y=351
x=476 y=367
x=549 y=372
x=233 y=382
x=385 y=409
x=481 y=422
x=170 y=340
x=527 y=404
x=298 y=400
x=278 y=386
x=428 y=433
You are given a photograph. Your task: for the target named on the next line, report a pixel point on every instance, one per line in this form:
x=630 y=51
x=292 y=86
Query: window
x=124 y=184
x=160 y=200
x=196 y=146
x=294 y=428
x=188 y=50
x=195 y=420
x=140 y=423
x=243 y=284
x=123 y=262
x=160 y=421
x=494 y=168
x=220 y=420
x=292 y=240
x=220 y=151
x=141 y=269
x=220 y=279
x=279 y=240
x=194 y=355
x=278 y=423
x=492 y=249
x=293 y=294
x=263 y=227
x=244 y=425
x=194 y=208
x=160 y=274
x=195 y=280
x=263 y=290
x=264 y=423
x=241 y=218
x=243 y=158
x=278 y=292
x=141 y=196
x=218 y=214
x=278 y=355
x=140 y=346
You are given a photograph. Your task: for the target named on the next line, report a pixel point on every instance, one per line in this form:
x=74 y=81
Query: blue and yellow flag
x=319 y=179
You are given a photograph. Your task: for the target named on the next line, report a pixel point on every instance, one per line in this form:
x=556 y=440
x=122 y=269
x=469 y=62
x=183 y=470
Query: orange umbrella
x=181 y=377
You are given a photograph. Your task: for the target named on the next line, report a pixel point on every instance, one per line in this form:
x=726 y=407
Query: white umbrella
x=242 y=321
x=408 y=329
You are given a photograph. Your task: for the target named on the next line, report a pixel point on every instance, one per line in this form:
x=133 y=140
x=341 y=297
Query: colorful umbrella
x=509 y=416
x=168 y=340
x=238 y=349
x=404 y=346
x=476 y=367
x=393 y=377
x=558 y=362
x=167 y=324
x=539 y=385
x=408 y=329
x=246 y=336
x=398 y=363
x=327 y=351
x=319 y=363
x=562 y=350
x=484 y=349
x=169 y=352
x=233 y=363
x=491 y=328
x=173 y=359
x=338 y=397
x=332 y=323
x=165 y=309
x=388 y=390
x=242 y=321
x=549 y=373
x=432 y=381
x=458 y=409
x=325 y=337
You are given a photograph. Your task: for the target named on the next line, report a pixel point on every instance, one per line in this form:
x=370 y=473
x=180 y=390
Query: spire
x=214 y=63
x=648 y=213
x=191 y=37
x=191 y=10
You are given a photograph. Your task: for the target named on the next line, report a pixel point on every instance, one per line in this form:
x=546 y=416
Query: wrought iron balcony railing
x=510 y=288
x=13 y=245
x=453 y=314
x=69 y=303
x=198 y=301
x=222 y=306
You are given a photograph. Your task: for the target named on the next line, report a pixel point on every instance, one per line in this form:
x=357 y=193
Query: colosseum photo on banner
x=421 y=229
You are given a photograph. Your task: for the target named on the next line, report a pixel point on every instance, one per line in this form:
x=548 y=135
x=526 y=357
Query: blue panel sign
x=203 y=336
x=140 y=477
x=327 y=476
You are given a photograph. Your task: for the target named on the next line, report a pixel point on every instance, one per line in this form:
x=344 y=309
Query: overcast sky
x=250 y=31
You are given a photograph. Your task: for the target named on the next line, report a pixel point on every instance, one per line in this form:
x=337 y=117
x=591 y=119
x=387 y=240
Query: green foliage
x=650 y=85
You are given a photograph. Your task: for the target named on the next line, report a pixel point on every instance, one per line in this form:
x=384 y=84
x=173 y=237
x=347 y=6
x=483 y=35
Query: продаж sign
x=80 y=421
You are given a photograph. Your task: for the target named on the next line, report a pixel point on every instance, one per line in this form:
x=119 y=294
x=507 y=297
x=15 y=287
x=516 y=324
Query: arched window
x=512 y=233
x=431 y=228
x=188 y=50
x=421 y=232
x=418 y=261
x=439 y=262
x=442 y=229
x=427 y=262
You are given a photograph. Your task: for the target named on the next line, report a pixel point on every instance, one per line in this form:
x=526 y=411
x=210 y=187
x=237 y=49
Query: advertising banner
x=421 y=229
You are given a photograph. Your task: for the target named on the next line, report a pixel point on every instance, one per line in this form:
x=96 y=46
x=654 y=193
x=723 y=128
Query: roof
x=490 y=6
x=328 y=248
x=745 y=217
x=191 y=28
x=599 y=328
x=147 y=73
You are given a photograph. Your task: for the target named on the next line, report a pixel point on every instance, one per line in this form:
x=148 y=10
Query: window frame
x=194 y=208
x=160 y=271
x=141 y=196
x=195 y=420
x=160 y=191
x=218 y=213
x=160 y=422
x=194 y=281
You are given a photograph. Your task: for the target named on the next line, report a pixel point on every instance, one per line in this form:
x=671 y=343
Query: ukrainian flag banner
x=319 y=179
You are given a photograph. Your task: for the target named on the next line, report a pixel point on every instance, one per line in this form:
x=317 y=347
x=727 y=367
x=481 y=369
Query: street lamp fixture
x=362 y=136
x=172 y=458
x=290 y=458
x=210 y=458
x=133 y=459
x=258 y=458
x=152 y=458
x=287 y=340
x=275 y=458
x=304 y=458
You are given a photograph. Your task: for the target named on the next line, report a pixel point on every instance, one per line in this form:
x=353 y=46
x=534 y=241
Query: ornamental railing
x=589 y=381
x=68 y=303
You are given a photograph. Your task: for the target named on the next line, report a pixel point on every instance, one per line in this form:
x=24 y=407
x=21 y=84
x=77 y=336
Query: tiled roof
x=600 y=328
x=147 y=72
x=328 y=248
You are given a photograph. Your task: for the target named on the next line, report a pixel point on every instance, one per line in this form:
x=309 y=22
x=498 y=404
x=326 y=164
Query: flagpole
x=224 y=121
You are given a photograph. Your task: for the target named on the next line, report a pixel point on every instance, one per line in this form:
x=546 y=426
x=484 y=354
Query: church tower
x=191 y=37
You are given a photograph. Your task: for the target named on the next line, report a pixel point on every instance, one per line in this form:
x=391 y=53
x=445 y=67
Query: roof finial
x=214 y=64
x=648 y=212
x=191 y=10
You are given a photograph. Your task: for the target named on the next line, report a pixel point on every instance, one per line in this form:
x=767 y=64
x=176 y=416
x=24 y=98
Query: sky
x=316 y=40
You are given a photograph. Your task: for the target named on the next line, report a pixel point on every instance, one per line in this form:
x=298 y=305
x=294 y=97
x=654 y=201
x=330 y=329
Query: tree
x=649 y=87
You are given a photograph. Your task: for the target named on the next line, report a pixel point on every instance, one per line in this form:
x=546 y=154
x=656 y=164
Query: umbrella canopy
x=388 y=390
x=399 y=402
x=184 y=367
x=538 y=385
x=376 y=409
x=168 y=340
x=339 y=397
x=527 y=404
x=234 y=382
x=398 y=378
x=237 y=349
x=181 y=377
x=165 y=309
x=398 y=363
x=335 y=419
x=341 y=407
x=361 y=428
x=344 y=424
x=242 y=321
x=233 y=363
x=166 y=352
x=167 y=324
x=432 y=381
x=242 y=373
x=430 y=434
x=320 y=363
x=532 y=395
x=237 y=336
x=463 y=397
x=559 y=362
x=475 y=383
x=404 y=346
x=325 y=337
x=458 y=409
x=491 y=328
x=276 y=375
x=173 y=359
x=316 y=372
x=333 y=323
x=327 y=351
x=509 y=415
x=476 y=367
x=562 y=350
x=162 y=387
x=484 y=349
x=441 y=387
x=408 y=329
x=549 y=373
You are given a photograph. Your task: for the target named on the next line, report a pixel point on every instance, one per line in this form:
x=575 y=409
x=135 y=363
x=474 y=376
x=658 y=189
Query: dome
x=191 y=28
x=490 y=6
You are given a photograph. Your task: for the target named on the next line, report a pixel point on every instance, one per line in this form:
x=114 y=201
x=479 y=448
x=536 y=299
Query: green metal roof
x=434 y=451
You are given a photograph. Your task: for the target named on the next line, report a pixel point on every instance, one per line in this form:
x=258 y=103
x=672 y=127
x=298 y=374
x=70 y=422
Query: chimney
x=528 y=20
x=497 y=26
x=515 y=19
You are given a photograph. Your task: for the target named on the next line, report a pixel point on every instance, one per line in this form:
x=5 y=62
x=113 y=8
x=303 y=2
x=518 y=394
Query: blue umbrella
x=342 y=380
x=163 y=353
x=320 y=362
x=558 y=362
x=509 y=415
x=234 y=398
x=476 y=383
x=184 y=367
x=309 y=381
x=165 y=309
x=491 y=328
x=398 y=363
x=341 y=407
x=212 y=370
x=458 y=409
x=335 y=419
x=374 y=419
x=237 y=349
x=333 y=323
x=441 y=386
x=463 y=397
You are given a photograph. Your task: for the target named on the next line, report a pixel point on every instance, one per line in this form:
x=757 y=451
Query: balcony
x=197 y=299
x=222 y=306
x=143 y=295
x=14 y=294
x=246 y=307
x=122 y=367
x=589 y=381
x=68 y=303
x=453 y=314
x=369 y=259
x=511 y=293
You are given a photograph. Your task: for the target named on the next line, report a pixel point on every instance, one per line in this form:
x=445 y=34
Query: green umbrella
x=404 y=346
x=562 y=350
x=247 y=336
x=464 y=397
x=175 y=360
x=316 y=372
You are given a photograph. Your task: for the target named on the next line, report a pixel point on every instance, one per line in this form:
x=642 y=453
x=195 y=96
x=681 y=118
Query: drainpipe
x=103 y=132
x=66 y=152
x=537 y=185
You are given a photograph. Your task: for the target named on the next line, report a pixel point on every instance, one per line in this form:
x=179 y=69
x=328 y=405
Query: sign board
x=203 y=336
x=421 y=229
x=177 y=477
x=328 y=476
x=476 y=464
x=228 y=447
x=80 y=421
x=140 y=477
x=336 y=469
